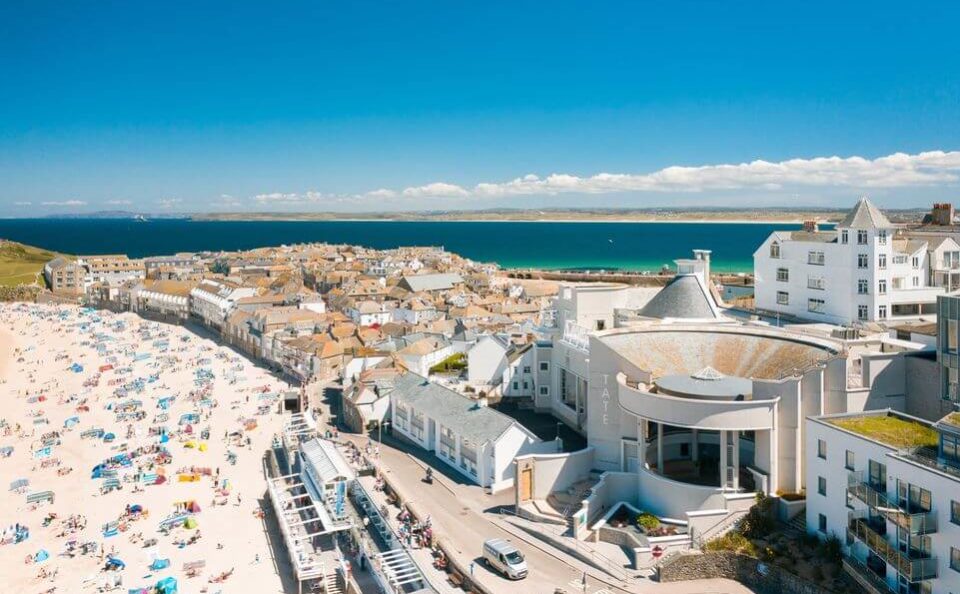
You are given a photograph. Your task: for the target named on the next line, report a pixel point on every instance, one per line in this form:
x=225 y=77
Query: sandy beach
x=156 y=413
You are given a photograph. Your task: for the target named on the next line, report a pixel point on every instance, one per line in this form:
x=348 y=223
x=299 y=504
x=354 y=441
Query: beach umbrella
x=41 y=556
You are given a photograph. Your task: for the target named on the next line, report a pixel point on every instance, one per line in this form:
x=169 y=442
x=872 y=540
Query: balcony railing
x=922 y=522
x=913 y=570
x=870 y=581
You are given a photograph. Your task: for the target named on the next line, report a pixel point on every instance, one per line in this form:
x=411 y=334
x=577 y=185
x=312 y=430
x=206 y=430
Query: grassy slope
x=20 y=264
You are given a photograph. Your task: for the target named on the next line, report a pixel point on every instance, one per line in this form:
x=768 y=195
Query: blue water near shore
x=591 y=245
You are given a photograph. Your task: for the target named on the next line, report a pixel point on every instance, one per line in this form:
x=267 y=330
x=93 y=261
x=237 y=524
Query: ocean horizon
x=601 y=245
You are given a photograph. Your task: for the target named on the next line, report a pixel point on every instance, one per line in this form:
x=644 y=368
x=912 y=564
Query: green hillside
x=22 y=264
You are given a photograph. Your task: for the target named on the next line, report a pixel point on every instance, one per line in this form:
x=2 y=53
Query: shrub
x=733 y=541
x=830 y=549
x=648 y=521
x=816 y=573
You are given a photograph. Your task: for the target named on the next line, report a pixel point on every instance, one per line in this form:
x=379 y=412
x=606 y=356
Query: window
x=816 y=282
x=526 y=369
x=950 y=449
x=882 y=262
x=955 y=512
x=882 y=312
x=954 y=558
x=783 y=275
x=850 y=461
x=601 y=324
x=862 y=237
x=863 y=286
x=822 y=486
x=822 y=523
x=952 y=335
x=863 y=261
x=844 y=236
x=863 y=313
x=882 y=236
x=821 y=449
x=783 y=298
x=916 y=262
x=544 y=366
x=516 y=385
x=775 y=250
x=815 y=258
x=544 y=390
x=877 y=476
x=526 y=385
x=916 y=281
x=882 y=287
x=815 y=305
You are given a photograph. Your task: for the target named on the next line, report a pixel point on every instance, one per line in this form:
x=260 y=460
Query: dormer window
x=775 y=250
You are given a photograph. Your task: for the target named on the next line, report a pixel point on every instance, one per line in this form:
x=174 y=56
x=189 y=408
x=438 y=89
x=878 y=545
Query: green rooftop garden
x=891 y=430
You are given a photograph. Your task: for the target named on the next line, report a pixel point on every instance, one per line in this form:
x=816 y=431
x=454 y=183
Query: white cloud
x=436 y=190
x=118 y=202
x=65 y=203
x=22 y=203
x=169 y=202
x=899 y=170
x=381 y=193
x=892 y=171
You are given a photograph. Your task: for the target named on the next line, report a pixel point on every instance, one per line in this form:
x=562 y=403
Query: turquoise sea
x=591 y=245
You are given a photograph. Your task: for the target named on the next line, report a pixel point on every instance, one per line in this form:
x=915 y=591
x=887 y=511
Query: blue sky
x=360 y=106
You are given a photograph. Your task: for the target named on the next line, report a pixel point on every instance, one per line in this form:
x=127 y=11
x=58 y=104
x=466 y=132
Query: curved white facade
x=696 y=414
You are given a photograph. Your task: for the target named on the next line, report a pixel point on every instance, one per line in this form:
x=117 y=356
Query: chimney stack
x=811 y=226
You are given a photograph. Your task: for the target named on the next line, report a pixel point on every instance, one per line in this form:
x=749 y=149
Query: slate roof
x=683 y=297
x=479 y=424
x=865 y=216
x=432 y=282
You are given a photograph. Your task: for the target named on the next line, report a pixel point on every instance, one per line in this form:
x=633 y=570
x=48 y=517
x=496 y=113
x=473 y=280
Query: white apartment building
x=887 y=485
x=862 y=271
x=212 y=301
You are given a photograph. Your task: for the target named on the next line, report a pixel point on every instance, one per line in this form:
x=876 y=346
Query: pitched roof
x=683 y=297
x=432 y=282
x=865 y=216
x=479 y=424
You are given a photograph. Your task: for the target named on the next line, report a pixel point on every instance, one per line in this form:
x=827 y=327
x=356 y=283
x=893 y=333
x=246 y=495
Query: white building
x=495 y=363
x=368 y=313
x=476 y=441
x=213 y=300
x=862 y=271
x=888 y=487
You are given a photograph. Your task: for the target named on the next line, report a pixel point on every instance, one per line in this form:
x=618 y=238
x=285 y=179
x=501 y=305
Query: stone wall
x=759 y=577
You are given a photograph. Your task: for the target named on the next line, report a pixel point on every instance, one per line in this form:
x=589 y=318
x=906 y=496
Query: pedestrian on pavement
x=256 y=558
x=472 y=565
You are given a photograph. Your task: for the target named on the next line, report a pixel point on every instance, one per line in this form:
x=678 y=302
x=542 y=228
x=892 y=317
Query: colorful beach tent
x=167 y=586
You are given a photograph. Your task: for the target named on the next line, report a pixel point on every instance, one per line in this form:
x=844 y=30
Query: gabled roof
x=683 y=297
x=479 y=424
x=865 y=216
x=431 y=282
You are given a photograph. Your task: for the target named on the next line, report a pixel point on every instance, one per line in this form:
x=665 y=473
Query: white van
x=505 y=558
